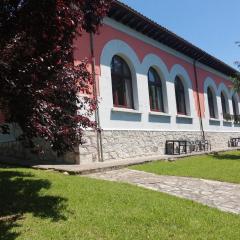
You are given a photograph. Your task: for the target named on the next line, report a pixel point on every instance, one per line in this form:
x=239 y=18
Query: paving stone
x=221 y=195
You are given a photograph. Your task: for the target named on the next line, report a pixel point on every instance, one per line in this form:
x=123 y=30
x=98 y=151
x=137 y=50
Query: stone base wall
x=133 y=144
x=219 y=140
x=116 y=145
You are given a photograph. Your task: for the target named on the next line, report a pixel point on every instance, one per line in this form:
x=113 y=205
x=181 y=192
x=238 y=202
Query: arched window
x=224 y=105
x=180 y=96
x=155 y=91
x=211 y=107
x=235 y=108
x=121 y=83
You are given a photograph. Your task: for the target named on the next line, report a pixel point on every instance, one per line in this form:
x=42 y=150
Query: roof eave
x=135 y=20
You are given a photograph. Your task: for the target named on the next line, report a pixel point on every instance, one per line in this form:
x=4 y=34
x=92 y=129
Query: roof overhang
x=133 y=19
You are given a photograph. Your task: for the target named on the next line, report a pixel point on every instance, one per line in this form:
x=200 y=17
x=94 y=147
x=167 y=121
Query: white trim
x=209 y=82
x=148 y=130
x=223 y=88
x=215 y=119
x=226 y=121
x=184 y=116
x=125 y=110
x=129 y=31
x=237 y=100
x=159 y=114
x=154 y=61
x=163 y=130
x=140 y=117
x=178 y=70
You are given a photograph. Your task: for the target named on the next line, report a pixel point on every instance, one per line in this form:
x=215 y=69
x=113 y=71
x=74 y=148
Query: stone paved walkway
x=221 y=195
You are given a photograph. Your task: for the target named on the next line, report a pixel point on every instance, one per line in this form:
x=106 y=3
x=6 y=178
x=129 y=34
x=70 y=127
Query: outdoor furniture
x=202 y=145
x=234 y=142
x=177 y=147
x=206 y=146
x=180 y=146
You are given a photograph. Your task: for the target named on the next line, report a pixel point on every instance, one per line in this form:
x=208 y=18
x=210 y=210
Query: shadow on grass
x=19 y=194
x=218 y=156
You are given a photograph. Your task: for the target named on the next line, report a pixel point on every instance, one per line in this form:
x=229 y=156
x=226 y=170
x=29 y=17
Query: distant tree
x=236 y=78
x=39 y=82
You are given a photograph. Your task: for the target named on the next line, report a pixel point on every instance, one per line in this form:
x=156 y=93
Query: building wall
x=136 y=144
x=138 y=132
x=141 y=52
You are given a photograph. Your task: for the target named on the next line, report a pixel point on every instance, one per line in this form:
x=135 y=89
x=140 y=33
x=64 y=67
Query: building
x=153 y=86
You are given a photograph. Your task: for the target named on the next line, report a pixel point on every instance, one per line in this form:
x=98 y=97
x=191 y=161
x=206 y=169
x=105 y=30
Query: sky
x=212 y=25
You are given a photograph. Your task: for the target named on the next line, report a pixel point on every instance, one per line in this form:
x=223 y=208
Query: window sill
x=214 y=119
x=184 y=116
x=125 y=110
x=159 y=114
x=227 y=121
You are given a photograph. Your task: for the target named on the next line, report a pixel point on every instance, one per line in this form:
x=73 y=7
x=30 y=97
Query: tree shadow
x=20 y=194
x=219 y=156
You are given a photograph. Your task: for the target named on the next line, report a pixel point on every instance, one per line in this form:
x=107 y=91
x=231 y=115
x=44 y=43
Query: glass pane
x=157 y=78
x=234 y=107
x=150 y=97
x=180 y=96
x=224 y=108
x=151 y=76
x=153 y=93
x=211 y=103
x=118 y=92
x=155 y=90
x=117 y=66
x=160 y=99
x=128 y=87
x=121 y=83
x=182 y=104
x=126 y=71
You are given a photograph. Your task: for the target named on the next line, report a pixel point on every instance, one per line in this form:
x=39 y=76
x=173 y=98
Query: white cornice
x=129 y=31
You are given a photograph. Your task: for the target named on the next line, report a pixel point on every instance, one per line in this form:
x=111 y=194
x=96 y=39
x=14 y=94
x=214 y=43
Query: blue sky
x=212 y=25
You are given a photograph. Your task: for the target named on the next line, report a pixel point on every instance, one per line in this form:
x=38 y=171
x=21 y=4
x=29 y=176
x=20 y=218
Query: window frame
x=211 y=104
x=224 y=105
x=122 y=77
x=180 y=95
x=235 y=108
x=158 y=87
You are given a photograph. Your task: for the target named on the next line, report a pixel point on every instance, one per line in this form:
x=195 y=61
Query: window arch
x=211 y=107
x=121 y=83
x=155 y=91
x=224 y=105
x=180 y=96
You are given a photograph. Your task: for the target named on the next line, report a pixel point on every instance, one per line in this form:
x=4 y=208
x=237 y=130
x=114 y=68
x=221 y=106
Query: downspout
x=97 y=117
x=198 y=97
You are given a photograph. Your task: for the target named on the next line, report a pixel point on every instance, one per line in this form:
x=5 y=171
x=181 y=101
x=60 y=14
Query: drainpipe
x=97 y=117
x=198 y=97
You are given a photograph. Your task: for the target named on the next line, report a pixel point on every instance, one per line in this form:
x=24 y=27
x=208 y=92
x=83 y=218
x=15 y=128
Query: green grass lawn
x=222 y=167
x=55 y=206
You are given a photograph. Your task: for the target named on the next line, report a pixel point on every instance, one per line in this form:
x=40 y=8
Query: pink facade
x=196 y=97
x=142 y=49
x=188 y=96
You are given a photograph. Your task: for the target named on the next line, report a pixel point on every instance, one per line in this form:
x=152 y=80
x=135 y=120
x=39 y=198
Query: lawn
x=222 y=167
x=45 y=205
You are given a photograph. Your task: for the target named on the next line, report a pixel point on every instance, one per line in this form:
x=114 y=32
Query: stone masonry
x=117 y=145
x=133 y=144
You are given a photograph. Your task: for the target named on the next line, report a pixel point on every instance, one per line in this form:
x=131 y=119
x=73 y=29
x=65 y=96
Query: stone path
x=221 y=195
